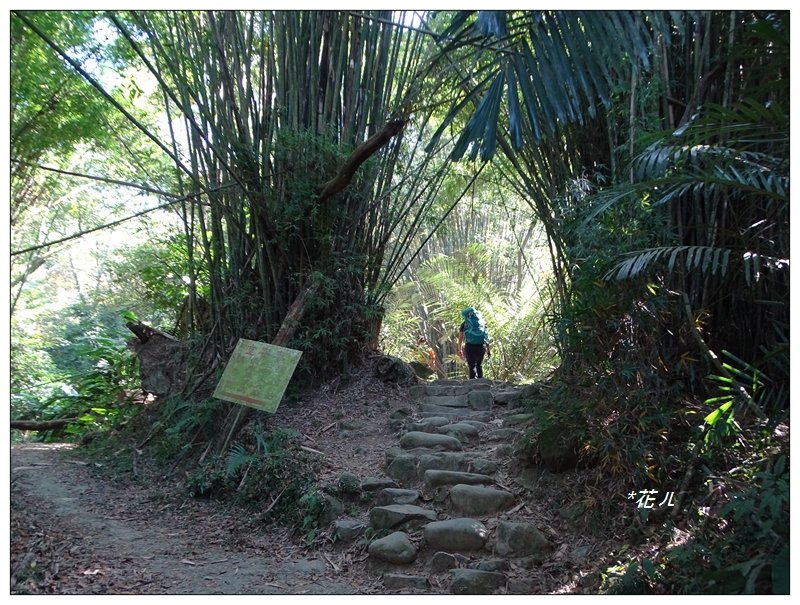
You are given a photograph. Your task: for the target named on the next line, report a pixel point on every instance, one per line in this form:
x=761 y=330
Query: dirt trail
x=83 y=535
x=75 y=529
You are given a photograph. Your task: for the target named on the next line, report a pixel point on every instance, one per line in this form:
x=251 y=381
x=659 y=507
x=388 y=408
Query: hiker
x=425 y=353
x=473 y=341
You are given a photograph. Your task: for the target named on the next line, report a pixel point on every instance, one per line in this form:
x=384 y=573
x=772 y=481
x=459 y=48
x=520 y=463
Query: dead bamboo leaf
x=188 y=562
x=312 y=450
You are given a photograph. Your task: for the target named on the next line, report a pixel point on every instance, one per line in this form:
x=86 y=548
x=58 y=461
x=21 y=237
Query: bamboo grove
x=308 y=149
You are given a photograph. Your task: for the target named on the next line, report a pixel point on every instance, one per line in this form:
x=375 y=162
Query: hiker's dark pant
x=474 y=355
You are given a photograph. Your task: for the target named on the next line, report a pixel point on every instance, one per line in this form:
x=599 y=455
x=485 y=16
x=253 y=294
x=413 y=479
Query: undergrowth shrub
x=269 y=473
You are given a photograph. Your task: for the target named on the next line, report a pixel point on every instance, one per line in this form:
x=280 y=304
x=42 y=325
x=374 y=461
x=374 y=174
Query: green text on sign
x=257 y=374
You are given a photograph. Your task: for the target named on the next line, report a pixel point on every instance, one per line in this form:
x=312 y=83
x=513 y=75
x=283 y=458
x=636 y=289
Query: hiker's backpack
x=475 y=329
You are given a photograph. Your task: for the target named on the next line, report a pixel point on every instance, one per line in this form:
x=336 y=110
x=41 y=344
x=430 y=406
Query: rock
x=456 y=534
x=391 y=495
x=520 y=540
x=477 y=501
x=503 y=450
x=392 y=453
x=349 y=425
x=396 y=515
x=428 y=425
x=481 y=400
x=443 y=561
x=506 y=435
x=431 y=440
x=516 y=419
x=572 y=513
x=446 y=461
x=460 y=430
x=510 y=398
x=395 y=370
x=421 y=370
x=431 y=409
x=557 y=446
x=448 y=401
x=475 y=581
x=394 y=548
x=439 y=389
x=580 y=554
x=373 y=484
x=491 y=565
x=396 y=581
x=403 y=468
x=434 y=478
x=348 y=530
x=398 y=418
x=349 y=483
x=482 y=466
x=516 y=586
x=332 y=508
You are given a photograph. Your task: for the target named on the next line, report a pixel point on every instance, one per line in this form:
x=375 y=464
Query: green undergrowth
x=729 y=534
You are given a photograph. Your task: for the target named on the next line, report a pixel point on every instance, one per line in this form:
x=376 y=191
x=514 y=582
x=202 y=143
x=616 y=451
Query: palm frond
x=554 y=63
x=705 y=259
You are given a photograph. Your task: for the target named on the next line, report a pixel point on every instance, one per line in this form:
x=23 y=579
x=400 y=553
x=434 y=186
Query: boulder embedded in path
x=520 y=540
x=393 y=495
x=456 y=534
x=394 y=548
x=430 y=440
x=478 y=501
x=434 y=478
x=396 y=515
x=475 y=581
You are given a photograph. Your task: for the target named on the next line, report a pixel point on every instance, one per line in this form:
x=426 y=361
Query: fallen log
x=41 y=425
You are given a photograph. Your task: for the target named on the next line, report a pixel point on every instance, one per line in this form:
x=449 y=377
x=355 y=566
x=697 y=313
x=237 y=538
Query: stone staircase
x=447 y=511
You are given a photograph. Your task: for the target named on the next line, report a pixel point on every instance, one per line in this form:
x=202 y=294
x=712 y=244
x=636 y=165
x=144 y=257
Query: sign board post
x=257 y=374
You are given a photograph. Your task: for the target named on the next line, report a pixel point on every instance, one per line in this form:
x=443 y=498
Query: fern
x=238 y=456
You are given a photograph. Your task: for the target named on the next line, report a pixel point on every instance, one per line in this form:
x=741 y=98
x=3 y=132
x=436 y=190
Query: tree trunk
x=43 y=425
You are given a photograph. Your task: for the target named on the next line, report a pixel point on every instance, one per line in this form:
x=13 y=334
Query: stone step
x=521 y=539
x=463 y=431
x=395 y=548
x=448 y=401
x=434 y=390
x=476 y=581
x=518 y=419
x=434 y=478
x=452 y=461
x=428 y=425
x=454 y=535
x=394 y=495
x=434 y=441
x=507 y=435
x=374 y=484
x=400 y=516
x=397 y=581
x=407 y=467
x=478 y=501
x=453 y=414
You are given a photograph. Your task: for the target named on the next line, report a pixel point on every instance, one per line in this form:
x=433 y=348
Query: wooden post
x=285 y=333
